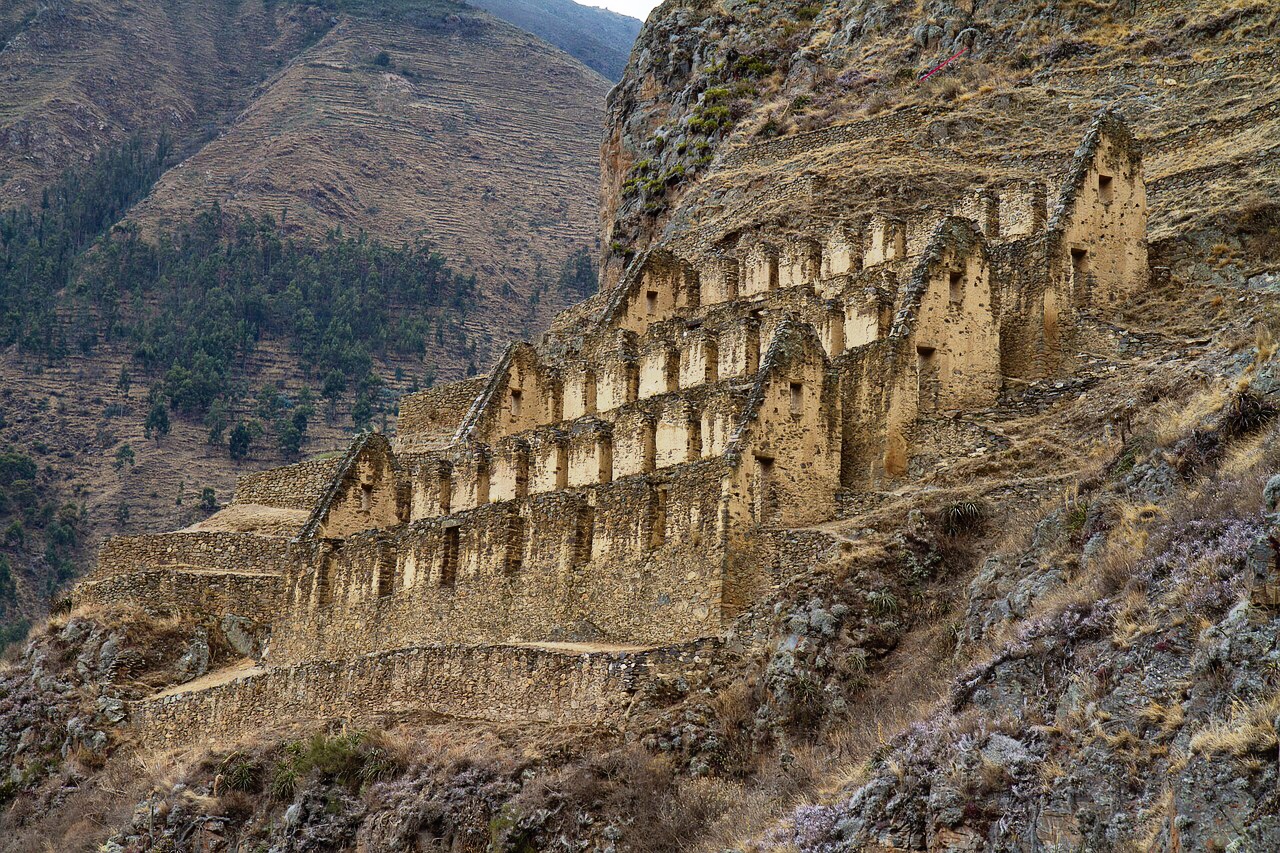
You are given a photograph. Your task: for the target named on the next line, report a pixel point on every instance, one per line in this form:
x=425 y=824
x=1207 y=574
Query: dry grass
x=1172 y=418
x=1249 y=730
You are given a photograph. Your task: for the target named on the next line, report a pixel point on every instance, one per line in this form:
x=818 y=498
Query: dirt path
x=239 y=669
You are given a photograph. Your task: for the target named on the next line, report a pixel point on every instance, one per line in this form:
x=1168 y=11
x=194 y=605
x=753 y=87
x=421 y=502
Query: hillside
x=464 y=146
x=81 y=77
x=822 y=102
x=912 y=484
x=452 y=141
x=596 y=37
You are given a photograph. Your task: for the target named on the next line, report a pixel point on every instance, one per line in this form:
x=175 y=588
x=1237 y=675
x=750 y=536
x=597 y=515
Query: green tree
x=362 y=411
x=208 y=499
x=124 y=456
x=8 y=587
x=217 y=420
x=157 y=423
x=242 y=437
x=125 y=382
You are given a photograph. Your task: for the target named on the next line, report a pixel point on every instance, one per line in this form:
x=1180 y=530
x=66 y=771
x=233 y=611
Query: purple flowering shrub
x=1202 y=566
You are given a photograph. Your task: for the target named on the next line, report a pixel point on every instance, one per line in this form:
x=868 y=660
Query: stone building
x=539 y=541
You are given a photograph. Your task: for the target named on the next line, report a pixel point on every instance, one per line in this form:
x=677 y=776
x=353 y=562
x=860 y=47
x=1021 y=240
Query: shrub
x=963 y=518
x=1246 y=413
x=241 y=773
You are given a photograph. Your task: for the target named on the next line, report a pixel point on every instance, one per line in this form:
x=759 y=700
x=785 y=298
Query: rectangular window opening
x=516 y=403
x=445 y=494
x=562 y=467
x=633 y=383
x=658 y=518
x=324 y=581
x=584 y=536
x=366 y=497
x=753 y=351
x=651 y=303
x=1079 y=265
x=766 y=497
x=773 y=273
x=797 y=399
x=1106 y=188
x=386 y=575
x=927 y=378
x=522 y=475
x=515 y=543
x=449 y=559
x=605 y=459
x=956 y=287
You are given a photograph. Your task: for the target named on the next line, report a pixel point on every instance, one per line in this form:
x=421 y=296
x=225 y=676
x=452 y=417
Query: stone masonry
x=534 y=533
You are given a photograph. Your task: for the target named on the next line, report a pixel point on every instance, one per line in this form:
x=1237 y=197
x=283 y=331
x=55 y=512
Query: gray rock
x=243 y=635
x=195 y=660
x=112 y=709
x=108 y=654
x=1271 y=494
x=1007 y=752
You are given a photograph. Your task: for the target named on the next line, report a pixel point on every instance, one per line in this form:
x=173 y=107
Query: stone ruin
x=542 y=542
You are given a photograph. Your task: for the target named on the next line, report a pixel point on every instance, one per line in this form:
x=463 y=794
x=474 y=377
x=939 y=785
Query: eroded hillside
x=431 y=126
x=453 y=140
x=800 y=106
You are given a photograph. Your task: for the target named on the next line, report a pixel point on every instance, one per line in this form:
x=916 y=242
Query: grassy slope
x=1195 y=80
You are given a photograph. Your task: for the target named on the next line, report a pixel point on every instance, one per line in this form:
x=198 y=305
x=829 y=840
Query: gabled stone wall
x=605 y=486
x=427 y=420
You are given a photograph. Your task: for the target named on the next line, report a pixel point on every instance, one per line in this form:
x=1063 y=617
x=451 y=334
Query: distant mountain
x=348 y=130
x=597 y=37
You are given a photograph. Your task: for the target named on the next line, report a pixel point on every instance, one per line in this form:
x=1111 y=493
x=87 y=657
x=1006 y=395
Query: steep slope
x=442 y=132
x=406 y=121
x=823 y=101
x=596 y=37
x=83 y=76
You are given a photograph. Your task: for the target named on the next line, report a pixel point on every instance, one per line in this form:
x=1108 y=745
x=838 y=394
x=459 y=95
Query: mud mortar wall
x=500 y=683
x=428 y=419
x=299 y=486
x=243 y=553
x=165 y=593
x=636 y=560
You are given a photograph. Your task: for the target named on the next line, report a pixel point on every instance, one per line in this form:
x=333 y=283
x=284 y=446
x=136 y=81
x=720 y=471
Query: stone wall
x=499 y=683
x=636 y=560
x=243 y=553
x=428 y=419
x=298 y=486
x=167 y=592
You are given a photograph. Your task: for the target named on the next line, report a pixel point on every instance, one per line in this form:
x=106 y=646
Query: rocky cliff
x=824 y=102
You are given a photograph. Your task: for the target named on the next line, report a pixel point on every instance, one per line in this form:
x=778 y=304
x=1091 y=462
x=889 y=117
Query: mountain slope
x=83 y=76
x=826 y=98
x=597 y=37
x=405 y=121
x=452 y=140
